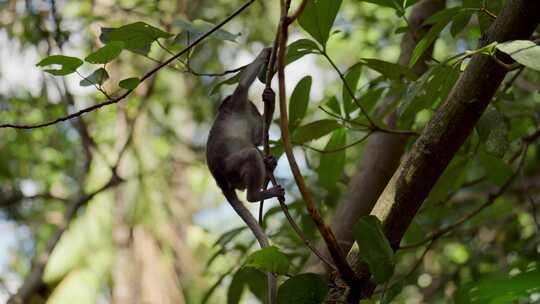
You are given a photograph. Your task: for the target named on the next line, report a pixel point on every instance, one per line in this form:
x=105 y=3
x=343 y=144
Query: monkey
x=233 y=157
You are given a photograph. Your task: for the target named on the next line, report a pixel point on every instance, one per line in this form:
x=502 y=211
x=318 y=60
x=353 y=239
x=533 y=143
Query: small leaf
x=231 y=80
x=333 y=104
x=351 y=77
x=299 y=101
x=254 y=279
x=332 y=163
x=136 y=36
x=318 y=17
x=390 y=70
x=306 y=288
x=299 y=49
x=67 y=64
x=392 y=3
x=375 y=248
x=107 y=53
x=493 y=132
x=99 y=76
x=314 y=130
x=525 y=52
x=193 y=30
x=228 y=236
x=129 y=83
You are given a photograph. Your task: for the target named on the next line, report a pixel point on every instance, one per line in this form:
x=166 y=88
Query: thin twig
x=143 y=78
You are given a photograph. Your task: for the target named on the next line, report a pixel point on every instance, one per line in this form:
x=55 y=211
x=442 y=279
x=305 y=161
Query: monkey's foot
x=270 y=162
x=268 y=95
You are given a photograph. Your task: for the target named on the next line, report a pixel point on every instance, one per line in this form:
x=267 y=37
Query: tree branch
x=143 y=78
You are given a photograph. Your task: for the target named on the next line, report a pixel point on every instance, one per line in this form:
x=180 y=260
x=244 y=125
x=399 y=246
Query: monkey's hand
x=277 y=191
x=270 y=162
x=269 y=95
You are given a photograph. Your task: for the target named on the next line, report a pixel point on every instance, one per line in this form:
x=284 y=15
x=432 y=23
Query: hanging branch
x=143 y=78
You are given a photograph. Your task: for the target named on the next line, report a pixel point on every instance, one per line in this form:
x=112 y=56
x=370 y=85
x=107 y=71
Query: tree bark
x=383 y=150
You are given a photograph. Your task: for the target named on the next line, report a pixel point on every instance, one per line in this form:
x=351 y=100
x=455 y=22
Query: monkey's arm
x=247 y=77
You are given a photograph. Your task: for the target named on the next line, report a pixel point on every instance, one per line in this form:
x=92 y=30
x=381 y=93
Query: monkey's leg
x=253 y=171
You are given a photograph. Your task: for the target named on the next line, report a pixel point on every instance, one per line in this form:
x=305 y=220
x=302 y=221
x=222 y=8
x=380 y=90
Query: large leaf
x=440 y=19
x=299 y=101
x=299 y=49
x=375 y=248
x=499 y=288
x=191 y=31
x=390 y=70
x=306 y=288
x=525 y=52
x=107 y=53
x=268 y=259
x=332 y=163
x=253 y=279
x=96 y=78
x=67 y=64
x=136 y=36
x=314 y=130
x=318 y=17
x=351 y=77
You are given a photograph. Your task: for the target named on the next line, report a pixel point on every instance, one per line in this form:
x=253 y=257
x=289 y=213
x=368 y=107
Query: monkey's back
x=232 y=131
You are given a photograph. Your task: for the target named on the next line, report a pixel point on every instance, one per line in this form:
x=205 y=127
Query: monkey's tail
x=245 y=214
x=254 y=226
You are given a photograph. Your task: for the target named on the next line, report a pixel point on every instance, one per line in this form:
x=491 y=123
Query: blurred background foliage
x=148 y=223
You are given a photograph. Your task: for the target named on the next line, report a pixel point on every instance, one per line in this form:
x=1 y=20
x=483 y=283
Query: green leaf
x=370 y=98
x=351 y=77
x=67 y=64
x=333 y=104
x=107 y=53
x=234 y=293
x=375 y=248
x=449 y=181
x=495 y=168
x=306 y=288
x=299 y=49
x=129 y=83
x=493 y=132
x=228 y=236
x=299 y=101
x=254 y=279
x=525 y=52
x=390 y=70
x=442 y=19
x=395 y=4
x=332 y=163
x=136 y=36
x=231 y=80
x=192 y=31
x=314 y=130
x=460 y=22
x=268 y=259
x=500 y=288
x=99 y=76
x=318 y=17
